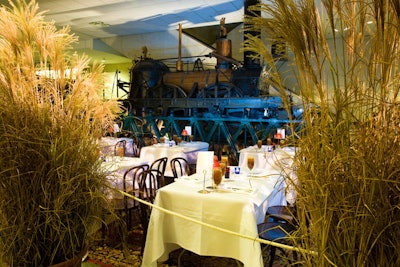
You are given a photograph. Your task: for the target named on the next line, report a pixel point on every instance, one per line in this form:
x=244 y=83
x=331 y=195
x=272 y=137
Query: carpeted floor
x=102 y=255
x=108 y=252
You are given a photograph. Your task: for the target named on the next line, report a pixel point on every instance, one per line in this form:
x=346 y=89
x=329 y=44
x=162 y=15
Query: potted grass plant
x=345 y=56
x=51 y=114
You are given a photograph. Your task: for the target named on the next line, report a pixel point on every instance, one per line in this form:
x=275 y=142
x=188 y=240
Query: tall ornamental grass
x=345 y=57
x=51 y=186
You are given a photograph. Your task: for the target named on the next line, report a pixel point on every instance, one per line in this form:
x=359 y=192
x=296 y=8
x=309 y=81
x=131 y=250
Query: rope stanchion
x=255 y=239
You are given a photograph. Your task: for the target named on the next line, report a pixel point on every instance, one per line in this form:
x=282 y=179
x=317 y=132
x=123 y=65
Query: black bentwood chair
x=179 y=167
x=279 y=225
x=160 y=165
x=148 y=186
x=126 y=205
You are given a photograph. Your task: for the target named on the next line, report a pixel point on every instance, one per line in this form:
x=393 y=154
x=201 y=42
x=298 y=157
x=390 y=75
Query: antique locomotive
x=230 y=95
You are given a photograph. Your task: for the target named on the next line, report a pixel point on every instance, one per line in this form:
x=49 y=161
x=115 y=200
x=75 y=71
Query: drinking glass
x=191 y=138
x=217 y=176
x=222 y=164
x=120 y=151
x=250 y=162
x=179 y=139
x=259 y=144
x=225 y=159
x=162 y=139
x=250 y=165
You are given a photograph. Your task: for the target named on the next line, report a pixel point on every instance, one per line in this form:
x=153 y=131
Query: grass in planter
x=345 y=58
x=51 y=186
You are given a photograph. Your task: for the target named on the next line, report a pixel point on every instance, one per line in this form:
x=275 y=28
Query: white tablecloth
x=233 y=208
x=108 y=144
x=279 y=159
x=116 y=168
x=187 y=150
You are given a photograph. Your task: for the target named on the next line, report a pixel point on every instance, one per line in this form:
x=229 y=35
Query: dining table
x=186 y=150
x=238 y=204
x=279 y=159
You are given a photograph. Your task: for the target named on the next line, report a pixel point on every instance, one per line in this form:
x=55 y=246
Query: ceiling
x=96 y=19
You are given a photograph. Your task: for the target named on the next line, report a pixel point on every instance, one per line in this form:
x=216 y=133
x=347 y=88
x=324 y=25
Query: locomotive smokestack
x=224 y=46
x=248 y=61
x=179 y=65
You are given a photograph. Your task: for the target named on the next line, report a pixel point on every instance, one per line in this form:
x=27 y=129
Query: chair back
x=179 y=167
x=130 y=185
x=148 y=184
x=137 y=145
x=160 y=165
x=131 y=181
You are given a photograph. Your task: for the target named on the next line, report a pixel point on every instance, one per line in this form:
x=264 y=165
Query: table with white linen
x=278 y=159
x=187 y=150
x=116 y=167
x=108 y=145
x=238 y=206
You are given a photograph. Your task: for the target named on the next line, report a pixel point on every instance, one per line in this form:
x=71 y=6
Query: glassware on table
x=216 y=176
x=282 y=143
x=191 y=138
x=269 y=145
x=250 y=165
x=120 y=151
x=259 y=144
x=162 y=139
x=250 y=162
x=222 y=164
x=179 y=140
x=204 y=191
x=224 y=158
x=175 y=138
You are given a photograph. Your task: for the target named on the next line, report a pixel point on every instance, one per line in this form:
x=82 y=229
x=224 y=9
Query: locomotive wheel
x=220 y=90
x=167 y=90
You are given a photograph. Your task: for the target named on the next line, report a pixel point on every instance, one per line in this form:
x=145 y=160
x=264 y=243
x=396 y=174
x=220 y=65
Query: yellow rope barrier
x=255 y=239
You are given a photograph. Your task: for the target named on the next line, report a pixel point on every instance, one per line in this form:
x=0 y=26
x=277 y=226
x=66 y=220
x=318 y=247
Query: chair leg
x=143 y=241
x=239 y=263
x=180 y=256
x=272 y=255
x=295 y=258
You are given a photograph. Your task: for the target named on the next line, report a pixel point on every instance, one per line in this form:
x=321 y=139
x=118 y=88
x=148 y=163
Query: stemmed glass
x=204 y=191
x=179 y=140
x=250 y=165
x=120 y=151
x=259 y=144
x=162 y=140
x=250 y=162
